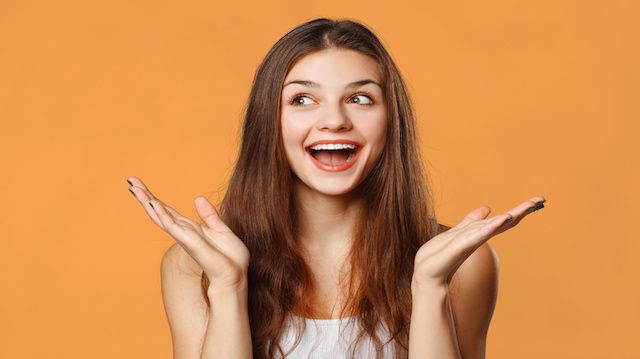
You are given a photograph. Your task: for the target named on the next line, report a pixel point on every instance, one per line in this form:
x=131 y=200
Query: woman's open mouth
x=334 y=157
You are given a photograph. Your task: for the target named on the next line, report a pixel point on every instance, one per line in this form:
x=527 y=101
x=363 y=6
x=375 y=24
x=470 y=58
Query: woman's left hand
x=437 y=260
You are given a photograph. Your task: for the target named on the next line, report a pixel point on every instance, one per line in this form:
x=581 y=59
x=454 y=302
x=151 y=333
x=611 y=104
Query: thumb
x=209 y=214
x=479 y=213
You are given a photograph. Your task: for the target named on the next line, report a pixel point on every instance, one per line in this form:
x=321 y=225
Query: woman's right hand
x=224 y=258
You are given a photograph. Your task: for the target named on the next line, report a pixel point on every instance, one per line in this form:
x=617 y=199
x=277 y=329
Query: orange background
x=515 y=98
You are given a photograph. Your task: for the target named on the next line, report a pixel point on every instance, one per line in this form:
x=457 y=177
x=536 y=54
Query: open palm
x=438 y=259
x=222 y=255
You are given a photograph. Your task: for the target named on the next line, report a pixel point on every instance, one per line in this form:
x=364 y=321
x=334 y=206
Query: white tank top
x=330 y=338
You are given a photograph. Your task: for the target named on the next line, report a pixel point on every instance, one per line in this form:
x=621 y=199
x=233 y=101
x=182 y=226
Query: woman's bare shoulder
x=442 y=228
x=176 y=259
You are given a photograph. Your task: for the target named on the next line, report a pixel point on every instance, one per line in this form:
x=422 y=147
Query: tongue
x=332 y=158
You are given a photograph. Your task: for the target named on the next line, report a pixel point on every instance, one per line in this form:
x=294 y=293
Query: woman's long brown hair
x=260 y=208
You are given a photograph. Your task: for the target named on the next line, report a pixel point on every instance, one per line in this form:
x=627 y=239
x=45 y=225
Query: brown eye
x=367 y=98
x=296 y=101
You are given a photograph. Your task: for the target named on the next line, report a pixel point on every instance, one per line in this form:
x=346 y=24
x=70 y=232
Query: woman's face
x=334 y=119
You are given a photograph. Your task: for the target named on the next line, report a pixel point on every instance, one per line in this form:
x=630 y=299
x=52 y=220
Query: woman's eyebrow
x=317 y=85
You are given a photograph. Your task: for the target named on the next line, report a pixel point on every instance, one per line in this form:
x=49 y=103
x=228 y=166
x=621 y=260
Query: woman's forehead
x=334 y=68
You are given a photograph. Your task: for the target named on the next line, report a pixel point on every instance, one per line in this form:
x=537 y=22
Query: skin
x=448 y=326
x=328 y=111
x=328 y=209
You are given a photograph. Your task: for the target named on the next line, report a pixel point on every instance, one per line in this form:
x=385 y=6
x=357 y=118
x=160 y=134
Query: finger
x=525 y=208
x=166 y=219
x=516 y=215
x=473 y=236
x=177 y=217
x=192 y=242
x=142 y=193
x=209 y=214
x=496 y=222
x=179 y=229
x=135 y=181
x=201 y=250
x=476 y=214
x=144 y=199
x=142 y=188
x=482 y=231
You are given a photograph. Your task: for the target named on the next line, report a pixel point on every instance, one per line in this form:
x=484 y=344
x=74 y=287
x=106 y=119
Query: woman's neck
x=326 y=221
x=326 y=226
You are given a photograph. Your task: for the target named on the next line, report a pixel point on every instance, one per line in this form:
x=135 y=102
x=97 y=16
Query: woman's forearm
x=228 y=334
x=432 y=332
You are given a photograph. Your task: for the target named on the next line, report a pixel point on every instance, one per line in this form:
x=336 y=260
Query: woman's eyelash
x=293 y=102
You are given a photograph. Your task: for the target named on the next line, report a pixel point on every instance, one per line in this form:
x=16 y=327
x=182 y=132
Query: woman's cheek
x=376 y=131
x=293 y=138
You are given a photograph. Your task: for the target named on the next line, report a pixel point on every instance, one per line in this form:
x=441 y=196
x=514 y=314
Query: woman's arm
x=473 y=292
x=228 y=332
x=224 y=259
x=432 y=332
x=467 y=308
x=184 y=303
x=221 y=332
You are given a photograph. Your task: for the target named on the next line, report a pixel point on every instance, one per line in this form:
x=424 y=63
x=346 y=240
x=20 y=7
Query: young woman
x=328 y=220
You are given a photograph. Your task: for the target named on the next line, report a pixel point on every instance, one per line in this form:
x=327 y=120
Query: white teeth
x=333 y=146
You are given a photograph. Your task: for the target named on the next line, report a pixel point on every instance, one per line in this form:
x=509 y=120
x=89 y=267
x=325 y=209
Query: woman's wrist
x=228 y=303
x=228 y=332
x=430 y=289
x=432 y=331
x=216 y=291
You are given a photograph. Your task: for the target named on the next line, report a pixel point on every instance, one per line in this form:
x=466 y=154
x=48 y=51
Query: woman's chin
x=330 y=188
x=333 y=191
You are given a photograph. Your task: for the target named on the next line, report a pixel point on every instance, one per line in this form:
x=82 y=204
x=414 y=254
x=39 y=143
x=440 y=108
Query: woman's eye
x=367 y=99
x=299 y=100
x=296 y=100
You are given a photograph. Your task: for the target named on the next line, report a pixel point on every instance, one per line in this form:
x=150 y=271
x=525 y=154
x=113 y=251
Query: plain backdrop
x=514 y=99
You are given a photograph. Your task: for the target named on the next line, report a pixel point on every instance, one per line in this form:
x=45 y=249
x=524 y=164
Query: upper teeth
x=333 y=146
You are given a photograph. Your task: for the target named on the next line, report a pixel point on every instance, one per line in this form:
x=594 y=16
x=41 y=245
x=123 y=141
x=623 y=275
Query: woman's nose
x=335 y=120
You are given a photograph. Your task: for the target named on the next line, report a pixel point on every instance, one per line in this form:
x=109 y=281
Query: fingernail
x=539 y=205
x=131 y=184
x=132 y=192
x=151 y=205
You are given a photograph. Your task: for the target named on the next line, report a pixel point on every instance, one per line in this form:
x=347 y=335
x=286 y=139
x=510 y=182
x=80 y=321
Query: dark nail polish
x=132 y=192
x=131 y=184
x=151 y=205
x=539 y=205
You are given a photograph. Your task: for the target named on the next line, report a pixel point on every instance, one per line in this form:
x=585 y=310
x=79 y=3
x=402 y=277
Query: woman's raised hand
x=222 y=255
x=437 y=260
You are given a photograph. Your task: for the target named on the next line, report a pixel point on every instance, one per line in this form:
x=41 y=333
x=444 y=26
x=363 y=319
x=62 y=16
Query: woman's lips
x=337 y=168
